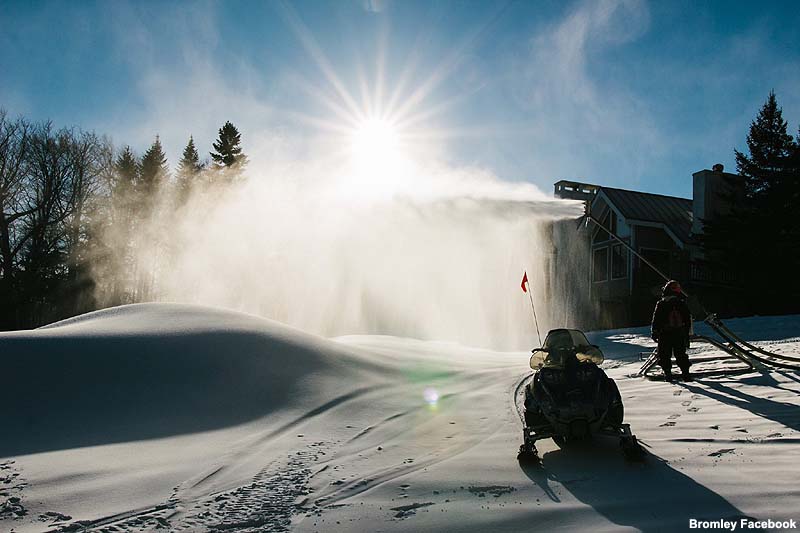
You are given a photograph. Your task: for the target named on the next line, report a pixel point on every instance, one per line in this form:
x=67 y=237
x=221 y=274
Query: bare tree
x=48 y=180
x=91 y=161
x=14 y=147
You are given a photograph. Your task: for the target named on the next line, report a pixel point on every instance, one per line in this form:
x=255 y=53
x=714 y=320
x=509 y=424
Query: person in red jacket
x=670 y=329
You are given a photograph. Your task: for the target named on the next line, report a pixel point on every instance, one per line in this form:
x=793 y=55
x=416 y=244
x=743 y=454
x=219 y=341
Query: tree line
x=758 y=241
x=83 y=225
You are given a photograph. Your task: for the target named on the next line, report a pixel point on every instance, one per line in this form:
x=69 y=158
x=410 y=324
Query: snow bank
x=153 y=370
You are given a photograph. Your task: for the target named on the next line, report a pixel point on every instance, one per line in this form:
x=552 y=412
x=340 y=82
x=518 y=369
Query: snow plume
x=412 y=247
x=402 y=245
x=438 y=253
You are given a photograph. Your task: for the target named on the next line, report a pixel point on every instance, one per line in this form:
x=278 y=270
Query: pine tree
x=150 y=233
x=766 y=168
x=153 y=170
x=760 y=239
x=190 y=162
x=126 y=172
x=119 y=234
x=227 y=152
x=189 y=168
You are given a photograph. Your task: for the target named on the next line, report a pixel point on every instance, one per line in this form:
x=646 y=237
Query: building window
x=609 y=221
x=619 y=262
x=600 y=264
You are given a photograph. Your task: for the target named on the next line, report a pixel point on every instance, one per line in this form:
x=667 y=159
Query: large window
x=619 y=262
x=609 y=221
x=600 y=264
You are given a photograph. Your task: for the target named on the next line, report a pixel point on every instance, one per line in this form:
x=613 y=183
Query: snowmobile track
x=266 y=504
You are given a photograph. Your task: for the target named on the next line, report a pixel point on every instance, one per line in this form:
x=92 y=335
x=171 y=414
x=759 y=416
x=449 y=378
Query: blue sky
x=630 y=94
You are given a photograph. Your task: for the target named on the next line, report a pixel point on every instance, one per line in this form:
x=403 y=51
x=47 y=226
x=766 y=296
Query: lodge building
x=666 y=230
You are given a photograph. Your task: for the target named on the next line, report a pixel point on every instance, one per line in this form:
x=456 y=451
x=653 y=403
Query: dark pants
x=673 y=343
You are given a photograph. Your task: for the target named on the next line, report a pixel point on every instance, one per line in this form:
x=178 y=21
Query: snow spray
x=431 y=252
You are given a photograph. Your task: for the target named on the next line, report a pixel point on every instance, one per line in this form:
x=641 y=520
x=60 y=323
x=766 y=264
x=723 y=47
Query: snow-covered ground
x=187 y=418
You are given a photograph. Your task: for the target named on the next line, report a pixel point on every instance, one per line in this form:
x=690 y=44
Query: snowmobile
x=570 y=398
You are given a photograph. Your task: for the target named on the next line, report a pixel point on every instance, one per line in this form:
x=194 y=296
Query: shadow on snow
x=648 y=496
x=68 y=391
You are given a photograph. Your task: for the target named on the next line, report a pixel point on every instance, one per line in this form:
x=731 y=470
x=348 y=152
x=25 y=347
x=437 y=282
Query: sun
x=380 y=164
x=375 y=145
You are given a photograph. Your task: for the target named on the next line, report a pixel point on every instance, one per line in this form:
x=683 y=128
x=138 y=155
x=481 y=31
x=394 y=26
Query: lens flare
x=431 y=396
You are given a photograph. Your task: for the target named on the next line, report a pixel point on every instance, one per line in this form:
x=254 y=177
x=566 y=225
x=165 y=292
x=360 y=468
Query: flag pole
x=533 y=308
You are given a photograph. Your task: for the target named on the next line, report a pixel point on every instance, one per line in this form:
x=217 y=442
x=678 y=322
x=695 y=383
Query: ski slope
x=185 y=418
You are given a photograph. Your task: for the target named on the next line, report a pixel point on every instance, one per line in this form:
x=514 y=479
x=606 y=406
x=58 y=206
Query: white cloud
x=573 y=107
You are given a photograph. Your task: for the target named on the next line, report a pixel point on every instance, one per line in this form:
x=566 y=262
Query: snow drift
x=154 y=370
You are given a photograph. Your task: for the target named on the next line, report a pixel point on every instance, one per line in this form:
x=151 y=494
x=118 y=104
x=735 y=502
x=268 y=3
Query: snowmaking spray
x=422 y=250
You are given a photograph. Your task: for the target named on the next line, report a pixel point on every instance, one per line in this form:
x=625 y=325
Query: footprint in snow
x=494 y=490
x=722 y=452
x=409 y=510
x=12 y=483
x=53 y=516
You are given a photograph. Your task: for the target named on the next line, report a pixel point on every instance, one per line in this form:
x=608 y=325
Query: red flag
x=524 y=281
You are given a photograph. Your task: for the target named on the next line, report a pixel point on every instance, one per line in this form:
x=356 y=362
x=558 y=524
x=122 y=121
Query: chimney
x=713 y=194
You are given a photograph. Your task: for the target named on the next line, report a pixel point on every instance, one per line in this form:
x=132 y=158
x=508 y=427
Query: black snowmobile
x=570 y=398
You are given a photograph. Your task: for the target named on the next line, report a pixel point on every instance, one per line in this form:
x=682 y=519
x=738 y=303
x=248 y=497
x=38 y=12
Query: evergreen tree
x=766 y=169
x=153 y=170
x=190 y=162
x=151 y=221
x=189 y=168
x=124 y=205
x=227 y=152
x=760 y=239
x=126 y=171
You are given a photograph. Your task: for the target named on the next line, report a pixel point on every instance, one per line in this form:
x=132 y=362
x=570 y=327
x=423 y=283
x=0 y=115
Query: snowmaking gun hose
x=744 y=348
x=783 y=361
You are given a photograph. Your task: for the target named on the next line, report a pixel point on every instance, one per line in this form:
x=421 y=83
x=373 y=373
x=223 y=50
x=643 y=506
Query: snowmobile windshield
x=562 y=344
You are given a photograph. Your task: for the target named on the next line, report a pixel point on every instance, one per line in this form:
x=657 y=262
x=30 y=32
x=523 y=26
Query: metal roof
x=675 y=213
